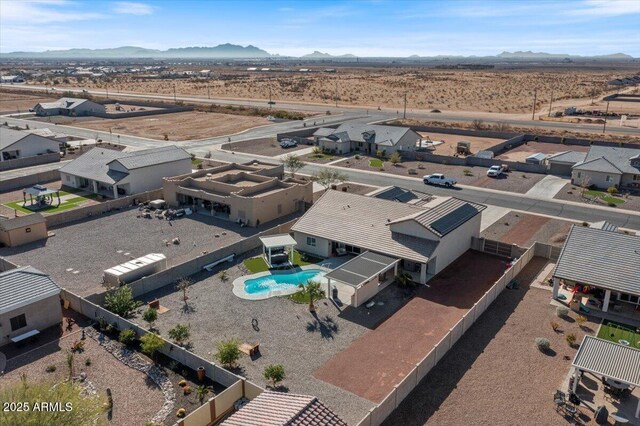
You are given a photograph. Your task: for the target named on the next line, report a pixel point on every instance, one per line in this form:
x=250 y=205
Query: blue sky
x=364 y=28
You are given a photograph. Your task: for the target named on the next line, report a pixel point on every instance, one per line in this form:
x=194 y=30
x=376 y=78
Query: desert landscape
x=18 y=102
x=497 y=90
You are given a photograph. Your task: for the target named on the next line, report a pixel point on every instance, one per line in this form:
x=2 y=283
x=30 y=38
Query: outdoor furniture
x=24 y=336
x=619 y=418
x=250 y=349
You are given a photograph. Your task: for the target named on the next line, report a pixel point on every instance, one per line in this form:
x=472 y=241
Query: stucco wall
x=454 y=244
x=322 y=247
x=411 y=227
x=20 y=236
x=149 y=178
x=39 y=315
x=595 y=178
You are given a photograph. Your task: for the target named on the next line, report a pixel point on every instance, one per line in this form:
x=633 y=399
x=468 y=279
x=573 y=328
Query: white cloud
x=600 y=8
x=132 y=8
x=41 y=12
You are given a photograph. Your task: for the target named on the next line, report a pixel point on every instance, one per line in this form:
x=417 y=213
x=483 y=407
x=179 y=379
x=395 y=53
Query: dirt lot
x=378 y=360
x=17 y=102
x=495 y=375
x=177 y=126
x=111 y=108
x=572 y=192
x=496 y=90
x=263 y=146
x=451 y=141
x=514 y=182
x=524 y=229
x=521 y=152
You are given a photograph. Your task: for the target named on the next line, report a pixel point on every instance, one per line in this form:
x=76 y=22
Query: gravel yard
x=521 y=152
x=263 y=146
x=288 y=334
x=136 y=399
x=445 y=144
x=524 y=229
x=79 y=252
x=495 y=375
x=572 y=192
x=514 y=182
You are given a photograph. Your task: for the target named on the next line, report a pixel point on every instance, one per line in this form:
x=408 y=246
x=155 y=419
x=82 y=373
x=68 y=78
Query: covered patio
x=40 y=197
x=361 y=278
x=278 y=250
x=616 y=369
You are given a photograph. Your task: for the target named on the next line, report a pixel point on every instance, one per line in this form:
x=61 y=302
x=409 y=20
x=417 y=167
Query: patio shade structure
x=610 y=360
x=274 y=247
x=43 y=196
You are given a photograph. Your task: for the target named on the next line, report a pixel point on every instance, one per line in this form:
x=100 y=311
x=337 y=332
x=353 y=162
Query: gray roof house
x=421 y=239
x=29 y=303
x=367 y=138
x=69 y=106
x=113 y=173
x=606 y=166
x=604 y=259
x=15 y=145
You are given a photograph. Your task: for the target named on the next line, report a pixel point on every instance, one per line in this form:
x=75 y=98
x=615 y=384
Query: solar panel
x=453 y=219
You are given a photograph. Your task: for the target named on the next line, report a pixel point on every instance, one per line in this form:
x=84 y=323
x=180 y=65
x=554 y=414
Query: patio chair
x=559 y=398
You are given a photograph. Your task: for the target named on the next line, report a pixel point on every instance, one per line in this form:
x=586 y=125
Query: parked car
x=495 y=171
x=288 y=143
x=439 y=179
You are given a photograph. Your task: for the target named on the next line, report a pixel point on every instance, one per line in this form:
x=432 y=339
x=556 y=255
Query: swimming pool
x=265 y=285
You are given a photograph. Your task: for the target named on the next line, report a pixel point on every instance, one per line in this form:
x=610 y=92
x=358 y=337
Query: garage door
x=560 y=169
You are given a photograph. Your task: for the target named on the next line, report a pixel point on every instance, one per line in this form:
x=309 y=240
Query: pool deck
x=239 y=283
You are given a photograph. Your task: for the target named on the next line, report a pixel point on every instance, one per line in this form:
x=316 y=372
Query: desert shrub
x=357 y=157
x=186 y=390
x=228 y=352
x=562 y=311
x=581 y=319
x=610 y=204
x=88 y=362
x=412 y=172
x=180 y=333
x=467 y=172
x=50 y=368
x=612 y=190
x=555 y=326
x=181 y=412
x=127 y=336
x=317 y=150
x=395 y=158
x=150 y=343
x=542 y=344
x=571 y=339
x=274 y=372
x=381 y=154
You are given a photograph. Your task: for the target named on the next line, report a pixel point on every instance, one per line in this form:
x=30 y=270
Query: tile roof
x=95 y=163
x=620 y=158
x=371 y=133
x=572 y=157
x=22 y=286
x=21 y=221
x=600 y=164
x=65 y=103
x=601 y=258
x=362 y=221
x=609 y=359
x=280 y=409
x=9 y=136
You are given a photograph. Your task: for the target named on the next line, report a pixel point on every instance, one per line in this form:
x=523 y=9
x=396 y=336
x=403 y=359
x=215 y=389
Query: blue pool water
x=277 y=281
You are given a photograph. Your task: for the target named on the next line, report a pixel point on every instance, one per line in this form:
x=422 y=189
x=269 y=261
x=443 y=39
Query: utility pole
x=270 y=97
x=336 y=95
x=533 y=108
x=208 y=94
x=174 y=92
x=606 y=113
x=107 y=89
x=404 y=112
x=550 y=103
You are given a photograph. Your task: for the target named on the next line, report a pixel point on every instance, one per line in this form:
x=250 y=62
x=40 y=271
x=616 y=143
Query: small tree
x=127 y=336
x=183 y=286
x=328 y=177
x=477 y=124
x=150 y=316
x=404 y=279
x=313 y=292
x=228 y=352
x=180 y=333
x=202 y=391
x=585 y=182
x=150 y=343
x=293 y=164
x=119 y=300
x=395 y=158
x=275 y=373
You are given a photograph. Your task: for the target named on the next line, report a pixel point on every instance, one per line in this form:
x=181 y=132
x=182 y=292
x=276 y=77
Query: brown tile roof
x=280 y=409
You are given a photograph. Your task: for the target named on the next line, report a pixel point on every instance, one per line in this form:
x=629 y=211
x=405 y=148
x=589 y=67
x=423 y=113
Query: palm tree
x=313 y=292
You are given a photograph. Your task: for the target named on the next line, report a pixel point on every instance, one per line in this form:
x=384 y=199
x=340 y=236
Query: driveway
x=373 y=364
x=548 y=187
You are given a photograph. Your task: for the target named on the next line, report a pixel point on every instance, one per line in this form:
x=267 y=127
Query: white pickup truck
x=438 y=179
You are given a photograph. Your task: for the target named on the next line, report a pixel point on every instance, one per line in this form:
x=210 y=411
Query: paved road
x=25 y=171
x=386 y=113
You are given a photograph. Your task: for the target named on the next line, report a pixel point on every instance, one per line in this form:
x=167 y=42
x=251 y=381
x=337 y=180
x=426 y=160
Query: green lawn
x=615 y=331
x=606 y=197
x=68 y=204
x=196 y=161
x=376 y=163
x=257 y=264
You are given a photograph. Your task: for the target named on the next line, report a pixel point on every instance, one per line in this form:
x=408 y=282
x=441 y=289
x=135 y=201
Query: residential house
x=11 y=79
x=562 y=162
x=250 y=194
x=114 y=173
x=421 y=240
x=599 y=272
x=29 y=303
x=22 y=230
x=402 y=195
x=15 y=145
x=606 y=166
x=366 y=138
x=74 y=107
x=278 y=408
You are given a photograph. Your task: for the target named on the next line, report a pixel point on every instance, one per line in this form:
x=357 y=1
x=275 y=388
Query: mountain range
x=234 y=51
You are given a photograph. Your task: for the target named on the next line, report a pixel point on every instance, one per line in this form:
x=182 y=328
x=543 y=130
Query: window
x=311 y=241
x=579 y=175
x=68 y=178
x=609 y=178
x=18 y=322
x=636 y=177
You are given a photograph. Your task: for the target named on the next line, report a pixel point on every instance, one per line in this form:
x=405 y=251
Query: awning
x=281 y=240
x=608 y=359
x=362 y=268
x=38 y=190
